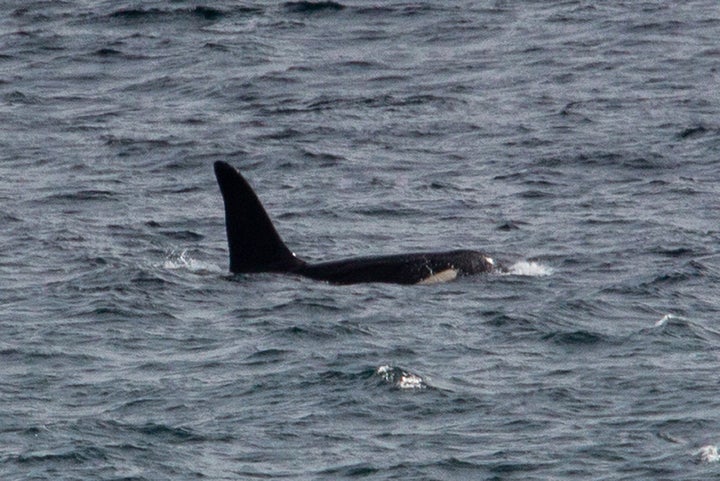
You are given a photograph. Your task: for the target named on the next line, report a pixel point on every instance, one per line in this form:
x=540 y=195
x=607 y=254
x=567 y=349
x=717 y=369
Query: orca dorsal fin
x=253 y=242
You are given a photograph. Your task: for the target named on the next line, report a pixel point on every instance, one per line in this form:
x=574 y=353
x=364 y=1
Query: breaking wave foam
x=529 y=268
x=400 y=378
x=708 y=454
x=186 y=262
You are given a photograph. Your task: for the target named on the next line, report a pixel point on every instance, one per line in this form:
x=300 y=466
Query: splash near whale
x=255 y=246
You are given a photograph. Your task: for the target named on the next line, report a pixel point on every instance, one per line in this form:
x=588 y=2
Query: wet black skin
x=255 y=246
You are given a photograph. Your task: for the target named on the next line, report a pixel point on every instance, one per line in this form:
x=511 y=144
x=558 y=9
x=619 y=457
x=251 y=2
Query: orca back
x=253 y=242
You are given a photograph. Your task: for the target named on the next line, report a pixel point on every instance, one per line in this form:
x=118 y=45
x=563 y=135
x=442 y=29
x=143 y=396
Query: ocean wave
x=146 y=14
x=575 y=338
x=312 y=7
x=675 y=326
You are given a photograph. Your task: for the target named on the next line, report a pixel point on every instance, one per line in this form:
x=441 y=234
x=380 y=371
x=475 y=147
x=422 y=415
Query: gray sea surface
x=575 y=141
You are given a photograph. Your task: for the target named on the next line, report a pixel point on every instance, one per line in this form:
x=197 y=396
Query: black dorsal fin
x=254 y=244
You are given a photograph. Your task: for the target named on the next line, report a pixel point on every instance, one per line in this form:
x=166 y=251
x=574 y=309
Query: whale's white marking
x=442 y=276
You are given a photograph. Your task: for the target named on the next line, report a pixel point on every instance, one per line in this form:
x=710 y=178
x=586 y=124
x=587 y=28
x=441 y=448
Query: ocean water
x=577 y=142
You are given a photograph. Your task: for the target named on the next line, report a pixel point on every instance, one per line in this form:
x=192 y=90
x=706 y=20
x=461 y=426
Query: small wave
x=675 y=326
x=107 y=52
x=21 y=98
x=79 y=455
x=182 y=235
x=576 y=339
x=529 y=268
x=694 y=131
x=311 y=7
x=169 y=433
x=140 y=14
x=82 y=195
x=351 y=471
x=186 y=262
x=400 y=378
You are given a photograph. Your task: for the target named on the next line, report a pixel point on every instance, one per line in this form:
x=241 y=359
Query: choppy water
x=577 y=141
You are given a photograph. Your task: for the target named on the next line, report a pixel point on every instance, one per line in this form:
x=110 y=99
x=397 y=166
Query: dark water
x=577 y=141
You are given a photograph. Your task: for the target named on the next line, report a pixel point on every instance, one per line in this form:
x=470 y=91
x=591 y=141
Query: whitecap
x=529 y=268
x=186 y=262
x=400 y=378
x=708 y=454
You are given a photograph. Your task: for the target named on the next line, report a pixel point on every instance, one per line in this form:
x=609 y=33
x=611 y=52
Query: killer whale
x=255 y=246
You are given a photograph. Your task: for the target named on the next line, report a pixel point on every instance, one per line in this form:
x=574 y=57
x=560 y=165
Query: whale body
x=255 y=246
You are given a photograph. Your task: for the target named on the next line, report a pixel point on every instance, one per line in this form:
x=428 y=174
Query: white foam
x=400 y=378
x=186 y=262
x=708 y=454
x=411 y=381
x=664 y=320
x=529 y=268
